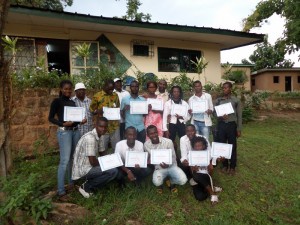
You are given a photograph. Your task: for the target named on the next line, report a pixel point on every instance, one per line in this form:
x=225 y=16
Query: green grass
x=265 y=189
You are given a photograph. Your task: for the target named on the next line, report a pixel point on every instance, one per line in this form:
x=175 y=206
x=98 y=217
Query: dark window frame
x=181 y=59
x=135 y=44
x=276 y=79
x=253 y=82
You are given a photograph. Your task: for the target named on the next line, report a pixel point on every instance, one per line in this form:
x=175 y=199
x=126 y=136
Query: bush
x=238 y=76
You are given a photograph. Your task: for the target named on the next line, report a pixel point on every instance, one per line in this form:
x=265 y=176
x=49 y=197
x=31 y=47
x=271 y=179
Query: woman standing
x=154 y=117
x=67 y=136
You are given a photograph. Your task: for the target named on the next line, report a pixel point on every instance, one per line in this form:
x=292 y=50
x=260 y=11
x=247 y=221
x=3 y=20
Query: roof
x=227 y=39
x=293 y=69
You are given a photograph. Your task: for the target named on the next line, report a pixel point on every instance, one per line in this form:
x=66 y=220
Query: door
x=288 y=83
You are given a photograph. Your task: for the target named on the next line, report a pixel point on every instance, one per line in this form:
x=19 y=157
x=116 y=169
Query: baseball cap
x=79 y=86
x=117 y=79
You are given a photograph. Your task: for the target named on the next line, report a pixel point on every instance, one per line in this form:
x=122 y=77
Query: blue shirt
x=134 y=120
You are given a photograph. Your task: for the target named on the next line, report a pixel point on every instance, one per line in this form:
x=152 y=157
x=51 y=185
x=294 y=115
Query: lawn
x=265 y=189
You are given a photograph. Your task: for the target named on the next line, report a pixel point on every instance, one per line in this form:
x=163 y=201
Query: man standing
x=229 y=126
x=163 y=171
x=107 y=98
x=134 y=120
x=162 y=90
x=121 y=94
x=86 y=165
x=202 y=121
x=81 y=100
x=136 y=173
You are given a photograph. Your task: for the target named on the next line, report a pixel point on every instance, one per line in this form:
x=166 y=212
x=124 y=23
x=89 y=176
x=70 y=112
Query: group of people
x=81 y=143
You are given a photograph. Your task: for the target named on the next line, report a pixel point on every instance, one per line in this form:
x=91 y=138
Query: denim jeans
x=139 y=173
x=202 y=129
x=113 y=137
x=67 y=140
x=174 y=173
x=95 y=178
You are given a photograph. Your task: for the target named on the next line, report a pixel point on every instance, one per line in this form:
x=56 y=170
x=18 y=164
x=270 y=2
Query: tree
x=132 y=11
x=5 y=97
x=289 y=9
x=45 y=4
x=269 y=56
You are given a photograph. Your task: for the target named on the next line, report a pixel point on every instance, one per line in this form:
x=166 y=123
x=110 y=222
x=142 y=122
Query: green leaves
x=200 y=64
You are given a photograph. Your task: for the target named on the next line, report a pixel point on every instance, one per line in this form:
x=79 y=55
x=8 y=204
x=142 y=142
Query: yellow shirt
x=102 y=99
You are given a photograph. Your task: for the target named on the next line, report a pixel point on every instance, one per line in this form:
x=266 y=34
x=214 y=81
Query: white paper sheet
x=159 y=156
x=180 y=110
x=138 y=107
x=111 y=113
x=75 y=114
x=111 y=161
x=199 y=106
x=223 y=109
x=199 y=158
x=221 y=150
x=157 y=104
x=133 y=158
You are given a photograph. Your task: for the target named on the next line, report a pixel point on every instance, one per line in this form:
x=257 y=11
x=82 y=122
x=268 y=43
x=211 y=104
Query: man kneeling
x=134 y=174
x=163 y=171
x=86 y=165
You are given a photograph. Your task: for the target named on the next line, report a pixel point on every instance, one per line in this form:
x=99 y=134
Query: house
x=278 y=79
x=162 y=49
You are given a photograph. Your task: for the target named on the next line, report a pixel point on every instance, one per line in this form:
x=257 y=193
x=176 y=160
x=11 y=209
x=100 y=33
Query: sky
x=225 y=14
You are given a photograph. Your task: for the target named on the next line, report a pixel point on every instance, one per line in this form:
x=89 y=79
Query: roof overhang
x=293 y=69
x=47 y=19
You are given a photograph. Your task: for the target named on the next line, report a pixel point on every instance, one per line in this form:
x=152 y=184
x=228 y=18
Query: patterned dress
x=155 y=118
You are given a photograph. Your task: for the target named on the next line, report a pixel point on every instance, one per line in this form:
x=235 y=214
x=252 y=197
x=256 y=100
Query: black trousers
x=199 y=190
x=122 y=131
x=227 y=134
x=176 y=129
x=141 y=136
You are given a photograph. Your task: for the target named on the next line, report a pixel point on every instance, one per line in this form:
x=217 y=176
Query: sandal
x=217 y=189
x=64 y=198
x=214 y=199
x=159 y=190
x=173 y=189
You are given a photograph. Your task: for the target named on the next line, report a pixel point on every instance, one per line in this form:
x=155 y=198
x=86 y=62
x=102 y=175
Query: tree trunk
x=5 y=97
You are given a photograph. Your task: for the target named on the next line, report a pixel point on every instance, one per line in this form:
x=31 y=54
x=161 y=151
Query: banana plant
x=200 y=65
x=83 y=50
x=10 y=45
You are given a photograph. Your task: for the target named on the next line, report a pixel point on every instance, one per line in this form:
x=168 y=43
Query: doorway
x=288 y=83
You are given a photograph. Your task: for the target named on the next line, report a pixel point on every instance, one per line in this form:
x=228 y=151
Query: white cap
x=117 y=79
x=79 y=86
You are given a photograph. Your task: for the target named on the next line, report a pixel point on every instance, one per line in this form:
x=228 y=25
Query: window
x=25 y=55
x=275 y=79
x=142 y=48
x=176 y=60
x=298 y=79
x=81 y=65
x=253 y=81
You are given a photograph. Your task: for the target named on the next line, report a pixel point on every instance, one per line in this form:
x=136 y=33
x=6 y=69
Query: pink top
x=155 y=118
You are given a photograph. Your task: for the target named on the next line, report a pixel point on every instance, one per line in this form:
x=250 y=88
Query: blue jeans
x=174 y=173
x=202 y=129
x=67 y=141
x=95 y=178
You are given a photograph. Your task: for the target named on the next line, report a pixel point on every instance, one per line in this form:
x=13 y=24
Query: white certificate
x=199 y=158
x=157 y=104
x=159 y=156
x=223 y=109
x=180 y=110
x=133 y=158
x=111 y=113
x=199 y=106
x=138 y=107
x=108 y=162
x=221 y=150
x=75 y=114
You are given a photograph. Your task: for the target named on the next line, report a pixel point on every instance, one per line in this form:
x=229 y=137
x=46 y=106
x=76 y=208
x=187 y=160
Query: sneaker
x=84 y=193
x=193 y=182
x=217 y=189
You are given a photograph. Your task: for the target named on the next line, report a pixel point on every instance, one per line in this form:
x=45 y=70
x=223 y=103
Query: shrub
x=238 y=76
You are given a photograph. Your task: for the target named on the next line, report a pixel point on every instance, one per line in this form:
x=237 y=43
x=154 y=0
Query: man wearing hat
x=81 y=100
x=121 y=93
